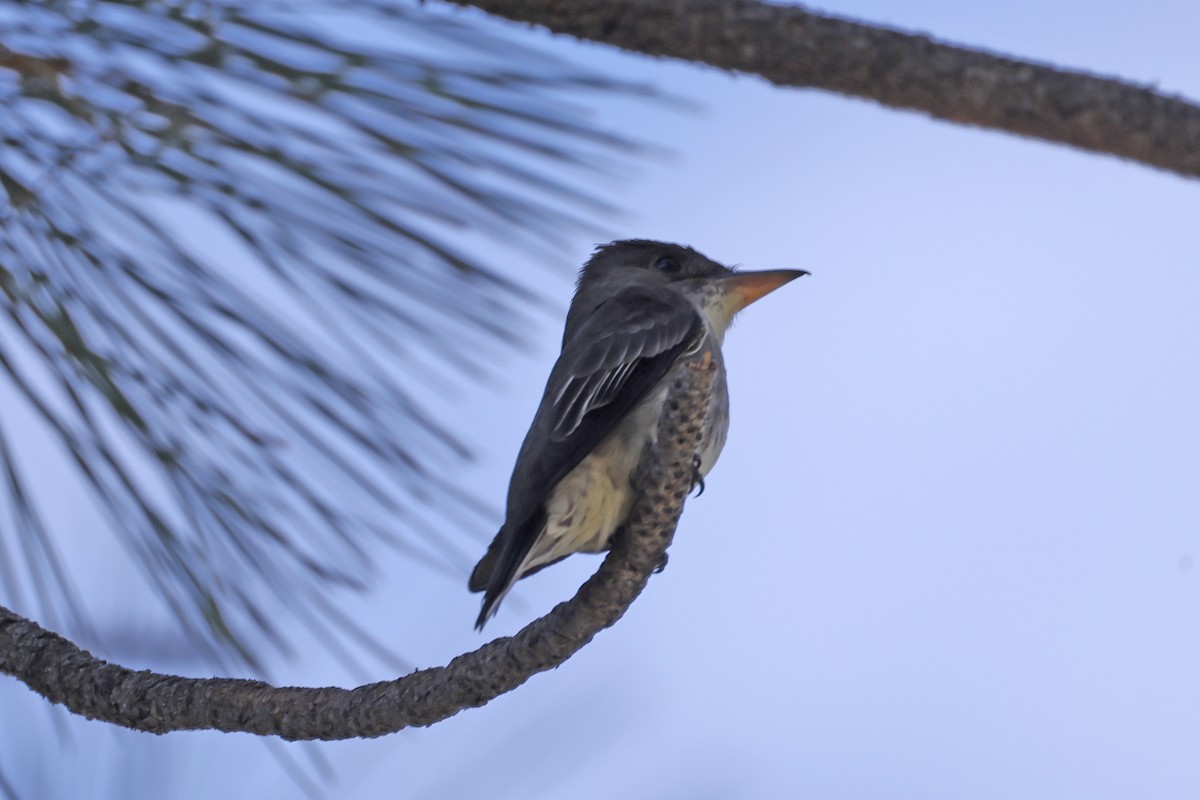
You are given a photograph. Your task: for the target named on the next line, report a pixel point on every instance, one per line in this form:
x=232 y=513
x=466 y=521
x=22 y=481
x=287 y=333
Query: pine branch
x=793 y=47
x=63 y=673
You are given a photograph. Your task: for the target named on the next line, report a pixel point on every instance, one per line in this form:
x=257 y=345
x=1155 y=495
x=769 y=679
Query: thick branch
x=793 y=47
x=147 y=701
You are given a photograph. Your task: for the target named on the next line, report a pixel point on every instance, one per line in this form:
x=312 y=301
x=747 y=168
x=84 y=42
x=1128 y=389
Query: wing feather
x=613 y=347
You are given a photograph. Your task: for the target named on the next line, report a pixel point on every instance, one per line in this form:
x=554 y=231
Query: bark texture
x=790 y=46
x=63 y=673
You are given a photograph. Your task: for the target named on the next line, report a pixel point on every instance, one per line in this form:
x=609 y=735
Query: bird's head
x=718 y=291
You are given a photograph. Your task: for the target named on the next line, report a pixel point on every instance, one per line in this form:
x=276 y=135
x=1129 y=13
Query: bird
x=640 y=307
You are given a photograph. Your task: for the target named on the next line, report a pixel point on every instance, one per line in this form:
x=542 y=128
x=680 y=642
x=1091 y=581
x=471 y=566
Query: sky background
x=950 y=548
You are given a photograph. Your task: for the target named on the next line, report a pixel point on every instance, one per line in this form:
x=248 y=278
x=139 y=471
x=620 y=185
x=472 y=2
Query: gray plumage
x=640 y=306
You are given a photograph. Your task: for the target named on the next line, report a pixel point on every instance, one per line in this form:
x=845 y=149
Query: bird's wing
x=617 y=355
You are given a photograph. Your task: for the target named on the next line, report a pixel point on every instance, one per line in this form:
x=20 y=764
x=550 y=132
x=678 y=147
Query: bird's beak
x=746 y=287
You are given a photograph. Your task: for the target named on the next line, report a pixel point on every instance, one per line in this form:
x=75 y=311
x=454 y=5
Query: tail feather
x=491 y=602
x=483 y=570
x=489 y=611
x=500 y=566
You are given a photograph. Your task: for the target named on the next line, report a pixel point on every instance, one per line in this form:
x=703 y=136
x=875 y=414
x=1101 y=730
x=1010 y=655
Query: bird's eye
x=667 y=264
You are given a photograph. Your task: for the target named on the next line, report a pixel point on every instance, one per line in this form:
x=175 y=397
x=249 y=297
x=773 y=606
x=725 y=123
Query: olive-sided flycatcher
x=639 y=308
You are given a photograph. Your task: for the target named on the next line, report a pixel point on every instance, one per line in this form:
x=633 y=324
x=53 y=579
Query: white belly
x=595 y=498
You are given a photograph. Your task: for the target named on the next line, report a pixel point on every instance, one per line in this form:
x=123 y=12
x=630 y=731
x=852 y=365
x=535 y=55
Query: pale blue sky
x=949 y=551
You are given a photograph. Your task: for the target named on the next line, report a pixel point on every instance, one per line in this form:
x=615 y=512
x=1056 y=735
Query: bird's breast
x=594 y=499
x=716 y=424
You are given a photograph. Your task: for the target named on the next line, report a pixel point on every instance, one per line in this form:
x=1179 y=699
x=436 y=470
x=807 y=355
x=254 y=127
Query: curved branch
x=793 y=47
x=63 y=673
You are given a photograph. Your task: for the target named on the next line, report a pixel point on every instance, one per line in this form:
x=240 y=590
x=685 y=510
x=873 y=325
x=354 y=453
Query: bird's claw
x=697 y=478
x=662 y=564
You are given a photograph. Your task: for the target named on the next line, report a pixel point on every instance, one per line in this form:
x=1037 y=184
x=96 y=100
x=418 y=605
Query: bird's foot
x=662 y=564
x=697 y=477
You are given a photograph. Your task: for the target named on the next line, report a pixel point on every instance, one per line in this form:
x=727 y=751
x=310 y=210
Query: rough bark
x=63 y=673
x=790 y=46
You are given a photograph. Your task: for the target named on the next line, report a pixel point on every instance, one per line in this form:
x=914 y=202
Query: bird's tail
x=502 y=564
x=483 y=570
x=481 y=580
